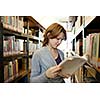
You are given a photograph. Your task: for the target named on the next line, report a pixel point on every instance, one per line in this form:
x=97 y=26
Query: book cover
x=72 y=64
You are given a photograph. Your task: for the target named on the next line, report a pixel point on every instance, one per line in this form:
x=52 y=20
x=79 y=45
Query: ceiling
x=45 y=21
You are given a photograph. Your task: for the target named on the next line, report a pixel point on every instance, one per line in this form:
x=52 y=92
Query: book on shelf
x=12 y=46
x=79 y=47
x=92 y=48
x=13 y=22
x=96 y=50
x=6 y=74
x=10 y=69
x=72 y=64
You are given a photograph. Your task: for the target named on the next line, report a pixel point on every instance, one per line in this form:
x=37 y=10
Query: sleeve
x=36 y=75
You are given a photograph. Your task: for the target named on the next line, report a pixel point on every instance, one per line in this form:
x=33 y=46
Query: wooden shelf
x=16 y=77
x=89 y=20
x=15 y=30
x=91 y=25
x=33 y=22
x=15 y=56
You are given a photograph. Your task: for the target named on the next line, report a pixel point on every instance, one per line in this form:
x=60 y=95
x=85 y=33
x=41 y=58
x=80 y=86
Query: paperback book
x=72 y=64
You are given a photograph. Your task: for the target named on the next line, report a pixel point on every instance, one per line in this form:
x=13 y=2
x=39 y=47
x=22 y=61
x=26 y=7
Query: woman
x=45 y=61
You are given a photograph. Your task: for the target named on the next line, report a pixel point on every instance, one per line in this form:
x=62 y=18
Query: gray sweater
x=41 y=61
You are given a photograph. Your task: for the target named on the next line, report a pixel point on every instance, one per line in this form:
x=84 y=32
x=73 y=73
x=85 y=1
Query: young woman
x=45 y=61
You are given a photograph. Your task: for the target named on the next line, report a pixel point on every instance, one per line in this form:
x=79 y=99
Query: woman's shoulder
x=41 y=50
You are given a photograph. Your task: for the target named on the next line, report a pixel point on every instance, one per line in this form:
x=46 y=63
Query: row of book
x=12 y=69
x=13 y=22
x=17 y=23
x=32 y=47
x=12 y=46
x=91 y=46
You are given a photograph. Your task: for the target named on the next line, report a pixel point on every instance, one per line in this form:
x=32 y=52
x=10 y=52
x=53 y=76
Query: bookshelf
x=17 y=44
x=86 y=40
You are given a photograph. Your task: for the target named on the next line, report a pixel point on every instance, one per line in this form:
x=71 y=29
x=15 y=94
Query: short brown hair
x=52 y=32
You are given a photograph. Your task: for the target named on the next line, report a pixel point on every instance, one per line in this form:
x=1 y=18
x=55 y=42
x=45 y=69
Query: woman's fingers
x=56 y=69
x=52 y=72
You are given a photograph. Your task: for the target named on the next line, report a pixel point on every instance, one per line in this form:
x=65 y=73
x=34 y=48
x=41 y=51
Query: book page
x=70 y=65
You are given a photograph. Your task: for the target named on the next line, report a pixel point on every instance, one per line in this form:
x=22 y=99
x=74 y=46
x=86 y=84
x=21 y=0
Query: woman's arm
x=36 y=75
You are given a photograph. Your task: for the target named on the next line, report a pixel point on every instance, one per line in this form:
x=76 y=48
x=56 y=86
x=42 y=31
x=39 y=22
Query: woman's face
x=55 y=42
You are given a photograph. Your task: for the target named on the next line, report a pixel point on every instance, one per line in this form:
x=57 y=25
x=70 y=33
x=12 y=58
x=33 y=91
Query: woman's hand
x=52 y=72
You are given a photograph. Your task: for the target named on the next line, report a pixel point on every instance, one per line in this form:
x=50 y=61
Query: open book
x=72 y=64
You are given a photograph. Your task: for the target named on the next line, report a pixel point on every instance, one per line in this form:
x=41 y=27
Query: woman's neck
x=53 y=51
x=51 y=48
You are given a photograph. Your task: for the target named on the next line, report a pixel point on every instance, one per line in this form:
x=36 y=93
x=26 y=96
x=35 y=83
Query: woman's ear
x=48 y=34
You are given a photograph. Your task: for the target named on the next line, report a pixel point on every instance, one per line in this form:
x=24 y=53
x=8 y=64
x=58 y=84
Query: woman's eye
x=59 y=39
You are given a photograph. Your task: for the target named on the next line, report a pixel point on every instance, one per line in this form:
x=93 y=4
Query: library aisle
x=21 y=36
